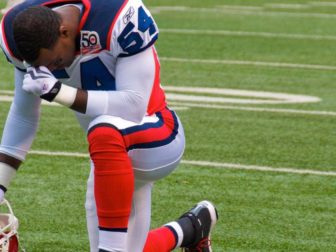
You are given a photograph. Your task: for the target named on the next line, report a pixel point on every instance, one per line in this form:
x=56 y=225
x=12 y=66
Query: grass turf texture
x=259 y=211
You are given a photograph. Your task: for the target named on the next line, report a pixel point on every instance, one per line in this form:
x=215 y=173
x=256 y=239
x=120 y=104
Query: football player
x=98 y=58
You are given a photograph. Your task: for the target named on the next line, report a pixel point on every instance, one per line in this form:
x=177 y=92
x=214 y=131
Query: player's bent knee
x=105 y=140
x=104 y=135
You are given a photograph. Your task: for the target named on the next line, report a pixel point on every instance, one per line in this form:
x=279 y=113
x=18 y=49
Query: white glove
x=41 y=82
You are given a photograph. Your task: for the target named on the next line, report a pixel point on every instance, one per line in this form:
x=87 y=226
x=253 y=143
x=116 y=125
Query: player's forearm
x=80 y=103
x=127 y=104
x=134 y=77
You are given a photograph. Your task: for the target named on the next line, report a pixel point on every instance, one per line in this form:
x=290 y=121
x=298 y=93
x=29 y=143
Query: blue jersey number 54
x=131 y=41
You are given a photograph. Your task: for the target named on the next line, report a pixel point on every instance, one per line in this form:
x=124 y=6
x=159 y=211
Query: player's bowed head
x=44 y=37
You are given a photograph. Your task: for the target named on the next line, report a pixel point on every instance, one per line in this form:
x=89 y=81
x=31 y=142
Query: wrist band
x=66 y=95
x=6 y=174
x=50 y=96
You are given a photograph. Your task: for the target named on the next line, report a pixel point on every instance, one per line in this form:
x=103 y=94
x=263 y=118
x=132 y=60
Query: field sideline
x=254 y=85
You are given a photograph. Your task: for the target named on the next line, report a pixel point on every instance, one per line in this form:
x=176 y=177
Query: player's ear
x=63 y=31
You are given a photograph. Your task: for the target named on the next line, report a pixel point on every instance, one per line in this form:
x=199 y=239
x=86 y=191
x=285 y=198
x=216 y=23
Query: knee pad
x=105 y=138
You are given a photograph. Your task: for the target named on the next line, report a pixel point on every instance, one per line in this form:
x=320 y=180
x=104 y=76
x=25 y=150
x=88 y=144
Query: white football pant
x=149 y=165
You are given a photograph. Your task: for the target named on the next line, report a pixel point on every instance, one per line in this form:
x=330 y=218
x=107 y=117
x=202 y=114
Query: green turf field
x=267 y=160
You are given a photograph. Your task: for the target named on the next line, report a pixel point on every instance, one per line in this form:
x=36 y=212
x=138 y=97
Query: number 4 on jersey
x=131 y=41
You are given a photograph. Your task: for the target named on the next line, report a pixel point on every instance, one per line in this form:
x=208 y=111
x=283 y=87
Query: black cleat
x=203 y=217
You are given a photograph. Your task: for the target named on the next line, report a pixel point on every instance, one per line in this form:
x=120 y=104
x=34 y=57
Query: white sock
x=112 y=241
x=174 y=225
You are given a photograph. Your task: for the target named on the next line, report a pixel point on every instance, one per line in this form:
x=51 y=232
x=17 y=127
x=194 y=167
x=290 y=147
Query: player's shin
x=113 y=186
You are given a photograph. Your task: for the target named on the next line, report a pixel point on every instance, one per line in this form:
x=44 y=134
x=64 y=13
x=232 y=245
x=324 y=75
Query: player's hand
x=41 y=82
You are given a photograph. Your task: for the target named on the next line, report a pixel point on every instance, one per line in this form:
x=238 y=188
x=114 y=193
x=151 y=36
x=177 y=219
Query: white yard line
x=210 y=102
x=249 y=34
x=323 y=4
x=287 y=6
x=258 y=168
x=8 y=97
x=242 y=10
x=221 y=95
x=255 y=109
x=241 y=7
x=207 y=164
x=250 y=63
x=59 y=153
x=7 y=92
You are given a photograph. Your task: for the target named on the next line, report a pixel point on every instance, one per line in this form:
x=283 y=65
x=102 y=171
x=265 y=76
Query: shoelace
x=205 y=243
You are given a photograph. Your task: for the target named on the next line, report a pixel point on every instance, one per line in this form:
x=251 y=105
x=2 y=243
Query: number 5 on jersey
x=130 y=40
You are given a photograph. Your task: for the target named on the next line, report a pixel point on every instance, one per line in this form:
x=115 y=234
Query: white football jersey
x=116 y=61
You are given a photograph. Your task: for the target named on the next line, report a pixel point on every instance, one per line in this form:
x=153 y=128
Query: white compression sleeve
x=134 y=81
x=22 y=121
